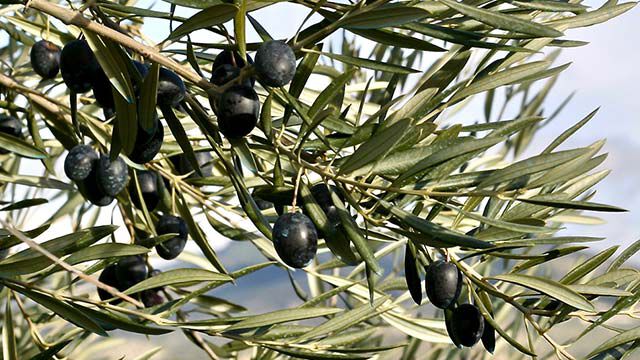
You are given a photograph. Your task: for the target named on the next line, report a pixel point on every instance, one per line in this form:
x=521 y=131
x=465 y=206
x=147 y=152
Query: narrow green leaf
x=21 y=147
x=448 y=153
x=9 y=349
x=623 y=338
x=51 y=351
x=314 y=354
x=178 y=277
x=377 y=147
x=368 y=63
x=598 y=290
x=396 y=39
x=384 y=16
x=579 y=205
x=505 y=77
x=198 y=236
x=438 y=232
x=626 y=255
x=352 y=231
x=214 y=15
x=346 y=320
x=111 y=321
x=181 y=137
x=281 y=316
x=107 y=53
x=24 y=204
x=60 y=308
x=586 y=267
x=550 y=288
x=126 y=127
x=503 y=21
x=148 y=95
x=531 y=165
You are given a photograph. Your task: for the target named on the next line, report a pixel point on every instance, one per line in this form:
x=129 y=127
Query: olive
x=443 y=283
x=467 y=324
x=295 y=239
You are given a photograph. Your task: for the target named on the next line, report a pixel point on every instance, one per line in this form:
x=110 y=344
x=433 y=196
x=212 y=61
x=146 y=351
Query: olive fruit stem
x=296 y=189
x=526 y=312
x=73 y=102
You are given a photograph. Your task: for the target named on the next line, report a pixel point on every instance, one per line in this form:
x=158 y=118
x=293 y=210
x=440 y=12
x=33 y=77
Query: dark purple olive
x=78 y=66
x=322 y=195
x=45 y=59
x=275 y=63
x=112 y=175
x=149 y=187
x=10 y=125
x=295 y=239
x=108 y=277
x=80 y=161
x=131 y=270
x=467 y=324
x=90 y=188
x=238 y=111
x=148 y=143
x=443 y=283
x=152 y=297
x=171 y=89
x=183 y=166
x=171 y=248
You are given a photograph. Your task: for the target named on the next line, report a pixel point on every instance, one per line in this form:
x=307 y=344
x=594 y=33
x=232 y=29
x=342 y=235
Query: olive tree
x=418 y=233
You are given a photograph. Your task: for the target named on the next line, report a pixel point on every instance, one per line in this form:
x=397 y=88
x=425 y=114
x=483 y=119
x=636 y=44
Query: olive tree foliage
x=410 y=186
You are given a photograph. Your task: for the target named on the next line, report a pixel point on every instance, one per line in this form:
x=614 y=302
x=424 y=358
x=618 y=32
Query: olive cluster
x=238 y=107
x=465 y=323
x=98 y=178
x=127 y=272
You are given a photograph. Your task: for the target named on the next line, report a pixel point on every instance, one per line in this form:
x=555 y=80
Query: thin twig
x=35 y=246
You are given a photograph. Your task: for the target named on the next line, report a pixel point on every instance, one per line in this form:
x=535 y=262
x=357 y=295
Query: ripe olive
x=90 y=188
x=275 y=63
x=171 y=248
x=131 y=270
x=11 y=126
x=78 y=66
x=108 y=277
x=183 y=166
x=295 y=239
x=148 y=144
x=112 y=175
x=45 y=59
x=467 y=324
x=238 y=111
x=443 y=283
x=79 y=162
x=171 y=89
x=149 y=187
